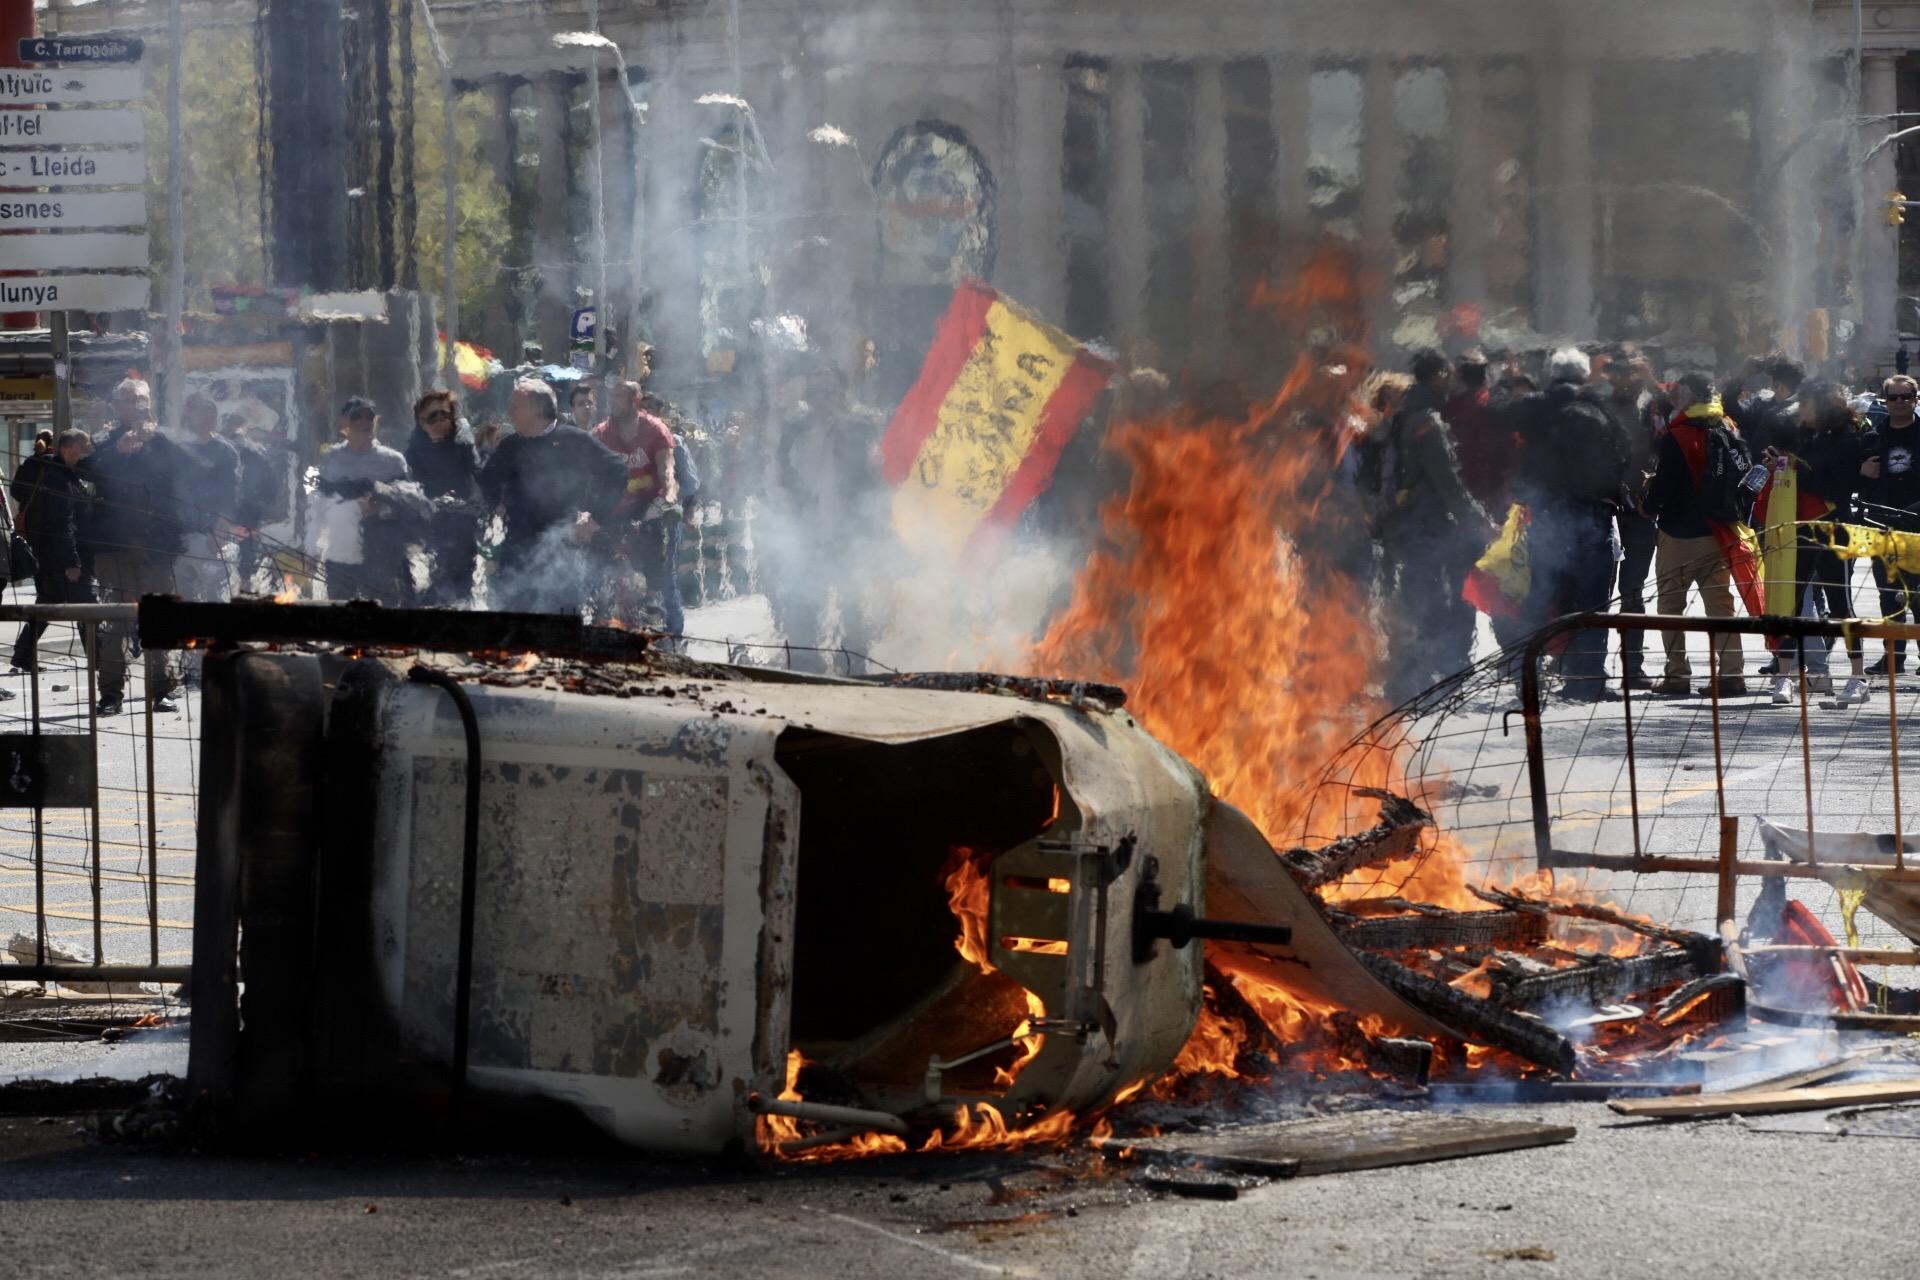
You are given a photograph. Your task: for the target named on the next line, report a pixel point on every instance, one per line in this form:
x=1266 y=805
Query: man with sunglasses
x=1890 y=478
x=442 y=458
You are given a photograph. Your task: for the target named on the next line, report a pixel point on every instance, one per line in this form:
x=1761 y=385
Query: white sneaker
x=1855 y=690
x=1820 y=684
x=1782 y=690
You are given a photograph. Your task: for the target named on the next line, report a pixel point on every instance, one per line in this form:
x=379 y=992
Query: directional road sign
x=72 y=209
x=81 y=49
x=74 y=293
x=89 y=85
x=66 y=168
x=86 y=250
x=109 y=125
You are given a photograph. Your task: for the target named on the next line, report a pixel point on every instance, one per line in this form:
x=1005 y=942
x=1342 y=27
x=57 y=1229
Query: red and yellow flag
x=978 y=436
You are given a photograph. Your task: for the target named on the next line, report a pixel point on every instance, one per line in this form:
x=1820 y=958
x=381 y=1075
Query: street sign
x=74 y=293
x=111 y=126
x=582 y=327
x=86 y=250
x=60 y=84
x=26 y=390
x=74 y=209
x=81 y=49
x=73 y=168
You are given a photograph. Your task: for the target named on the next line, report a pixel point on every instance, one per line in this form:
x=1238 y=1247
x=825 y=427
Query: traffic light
x=1896 y=209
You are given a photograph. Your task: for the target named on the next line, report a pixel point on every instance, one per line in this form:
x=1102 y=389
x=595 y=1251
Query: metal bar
x=39 y=832
x=824 y=1113
x=1806 y=749
x=1729 y=856
x=153 y=842
x=1633 y=771
x=59 y=972
x=1536 y=749
x=68 y=612
x=1893 y=744
x=1719 y=765
x=167 y=622
x=1811 y=628
x=1557 y=858
x=90 y=646
x=1859 y=955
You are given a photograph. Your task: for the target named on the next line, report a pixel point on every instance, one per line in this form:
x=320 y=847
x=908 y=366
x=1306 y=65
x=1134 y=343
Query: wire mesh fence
x=97 y=827
x=1623 y=796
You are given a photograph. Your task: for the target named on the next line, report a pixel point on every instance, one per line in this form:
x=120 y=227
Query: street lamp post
x=596 y=44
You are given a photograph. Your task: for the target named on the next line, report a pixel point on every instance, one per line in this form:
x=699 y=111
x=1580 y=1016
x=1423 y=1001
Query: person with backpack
x=1431 y=531
x=1573 y=475
x=1699 y=482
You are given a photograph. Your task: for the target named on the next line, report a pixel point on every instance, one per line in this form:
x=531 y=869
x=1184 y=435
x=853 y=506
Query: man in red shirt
x=648 y=513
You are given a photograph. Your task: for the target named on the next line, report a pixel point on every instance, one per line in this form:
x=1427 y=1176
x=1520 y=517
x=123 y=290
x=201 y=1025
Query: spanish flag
x=470 y=363
x=978 y=436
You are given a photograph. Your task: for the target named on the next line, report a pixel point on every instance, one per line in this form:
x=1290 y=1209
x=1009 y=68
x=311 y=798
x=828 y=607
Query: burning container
x=674 y=880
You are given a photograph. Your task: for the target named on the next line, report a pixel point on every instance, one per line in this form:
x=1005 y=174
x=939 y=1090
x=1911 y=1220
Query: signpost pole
x=62 y=374
x=175 y=392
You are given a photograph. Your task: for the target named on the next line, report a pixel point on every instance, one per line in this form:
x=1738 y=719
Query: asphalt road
x=1622 y=1199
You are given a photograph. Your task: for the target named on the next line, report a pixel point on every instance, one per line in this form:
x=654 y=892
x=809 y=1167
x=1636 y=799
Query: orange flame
x=289 y=591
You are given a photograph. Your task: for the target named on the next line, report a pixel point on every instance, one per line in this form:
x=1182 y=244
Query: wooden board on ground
x=1760 y=1102
x=1344 y=1143
x=1247 y=881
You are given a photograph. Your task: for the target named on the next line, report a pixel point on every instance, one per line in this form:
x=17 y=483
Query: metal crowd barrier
x=1728 y=866
x=86 y=842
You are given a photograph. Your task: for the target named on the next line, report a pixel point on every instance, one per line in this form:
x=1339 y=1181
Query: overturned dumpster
x=636 y=888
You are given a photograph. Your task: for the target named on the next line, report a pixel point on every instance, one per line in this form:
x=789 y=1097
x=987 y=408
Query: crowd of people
x=586 y=511
x=1632 y=487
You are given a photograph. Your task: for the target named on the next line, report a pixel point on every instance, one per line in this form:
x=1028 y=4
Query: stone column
x=670 y=249
x=1380 y=162
x=552 y=247
x=1783 y=111
x=501 y=335
x=622 y=195
x=1032 y=259
x=1213 y=284
x=1878 y=287
x=1127 y=245
x=1468 y=221
x=1566 y=268
x=1288 y=76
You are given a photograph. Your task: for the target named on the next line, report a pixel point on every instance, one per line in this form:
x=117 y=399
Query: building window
x=732 y=242
x=1334 y=127
x=1086 y=153
x=1508 y=119
x=1423 y=179
x=1166 y=156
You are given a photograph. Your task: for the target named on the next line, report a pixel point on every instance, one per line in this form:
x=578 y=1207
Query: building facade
x=1691 y=174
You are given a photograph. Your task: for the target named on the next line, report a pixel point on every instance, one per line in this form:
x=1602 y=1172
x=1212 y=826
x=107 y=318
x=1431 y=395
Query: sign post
x=60 y=248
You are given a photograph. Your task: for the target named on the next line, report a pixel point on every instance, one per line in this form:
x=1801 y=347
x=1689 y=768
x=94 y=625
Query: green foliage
x=220 y=189
x=220 y=129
